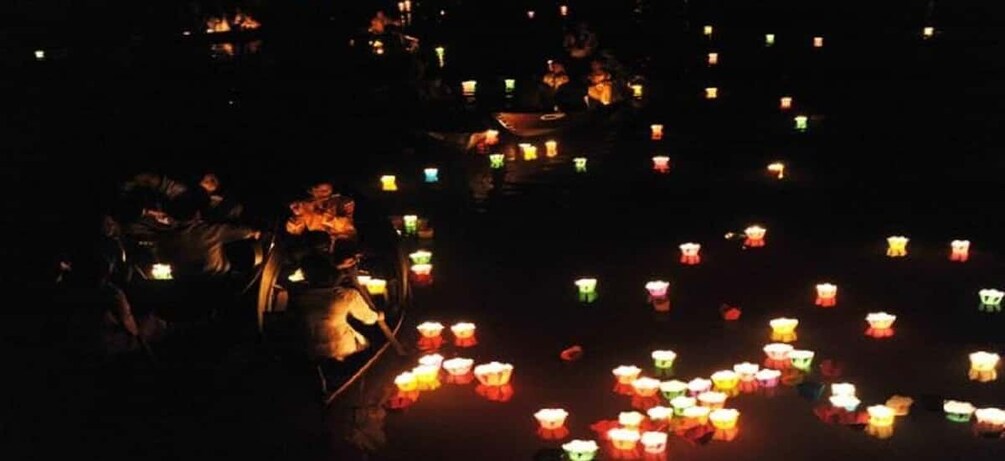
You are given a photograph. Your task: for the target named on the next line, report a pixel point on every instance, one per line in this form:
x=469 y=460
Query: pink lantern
x=768 y=378
x=689 y=254
x=656 y=131
x=959 y=250
x=657 y=288
x=661 y=164
x=826 y=295
x=755 y=236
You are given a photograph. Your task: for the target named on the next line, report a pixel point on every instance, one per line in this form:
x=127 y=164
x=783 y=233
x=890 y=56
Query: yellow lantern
x=630 y=419
x=746 y=371
x=637 y=90
x=494 y=373
x=881 y=416
x=656 y=131
x=654 y=442
x=377 y=286
x=624 y=439
x=458 y=366
x=928 y=32
x=725 y=380
x=529 y=151
x=982 y=366
x=959 y=250
x=297 y=276
x=625 y=374
x=712 y=399
x=551 y=418
x=826 y=295
x=708 y=31
x=388 y=183
x=463 y=330
x=427 y=377
x=646 y=387
x=713 y=59
x=778 y=169
x=896 y=246
x=161 y=272
x=406 y=382
x=769 y=39
x=491 y=137
x=785 y=103
x=724 y=419
x=551 y=148
x=711 y=92
x=783 y=329
x=468 y=87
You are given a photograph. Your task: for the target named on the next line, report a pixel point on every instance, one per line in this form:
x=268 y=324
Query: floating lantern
x=959 y=250
x=697 y=415
x=755 y=236
x=818 y=42
x=881 y=416
x=708 y=31
x=163 y=272
x=842 y=389
x=724 y=419
x=778 y=169
x=376 y=286
x=990 y=420
x=551 y=418
x=468 y=87
x=491 y=137
x=673 y=389
x=826 y=295
x=625 y=374
x=581 y=450
x=982 y=366
x=580 y=164
x=587 y=289
x=880 y=324
x=435 y=360
x=661 y=164
x=991 y=300
x=411 y=223
x=698 y=385
x=630 y=419
x=388 y=183
x=40 y=55
x=900 y=404
x=769 y=39
x=530 y=14
x=646 y=387
x=656 y=131
x=427 y=377
x=801 y=359
x=296 y=277
x=458 y=366
x=494 y=373
x=663 y=359
x=430 y=329
x=768 y=378
x=845 y=402
x=529 y=151
x=432 y=175
x=563 y=10
x=712 y=399
x=654 y=442
x=959 y=412
x=464 y=334
x=713 y=59
x=682 y=403
x=637 y=90
x=778 y=351
x=928 y=32
x=406 y=382
x=551 y=148
x=659 y=414
x=801 y=122
x=509 y=84
x=725 y=380
x=624 y=439
x=746 y=371
x=783 y=329
x=496 y=161
x=689 y=253
x=440 y=52
x=421 y=257
x=785 y=103
x=658 y=289
x=896 y=246
x=711 y=92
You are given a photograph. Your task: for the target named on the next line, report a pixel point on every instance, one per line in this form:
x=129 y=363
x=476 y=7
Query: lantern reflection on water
x=896 y=246
x=551 y=418
x=581 y=450
x=959 y=250
x=689 y=253
x=656 y=131
x=991 y=300
x=163 y=272
x=494 y=373
x=654 y=442
x=959 y=412
x=624 y=439
x=551 y=148
x=783 y=330
x=982 y=366
x=587 y=289
x=661 y=164
x=826 y=295
x=755 y=236
x=880 y=324
x=801 y=359
x=388 y=183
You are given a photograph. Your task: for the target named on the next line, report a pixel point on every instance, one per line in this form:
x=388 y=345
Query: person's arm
x=360 y=310
x=231 y=233
x=123 y=313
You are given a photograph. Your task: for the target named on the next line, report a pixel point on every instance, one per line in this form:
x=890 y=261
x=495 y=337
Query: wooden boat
x=531 y=124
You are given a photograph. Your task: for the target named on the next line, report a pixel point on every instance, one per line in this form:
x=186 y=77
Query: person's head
x=318 y=241
x=557 y=67
x=147 y=179
x=188 y=206
x=322 y=190
x=210 y=183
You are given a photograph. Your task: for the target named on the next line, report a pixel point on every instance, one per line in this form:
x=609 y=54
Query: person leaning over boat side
x=195 y=247
x=333 y=336
x=222 y=206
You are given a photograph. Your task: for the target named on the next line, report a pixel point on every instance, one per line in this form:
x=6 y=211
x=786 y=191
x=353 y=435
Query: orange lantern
x=689 y=254
x=880 y=325
x=959 y=250
x=464 y=334
x=712 y=399
x=494 y=373
x=491 y=137
x=881 y=416
x=755 y=236
x=785 y=103
x=826 y=295
x=713 y=59
x=551 y=148
x=626 y=374
x=783 y=329
x=646 y=387
x=982 y=366
x=656 y=131
x=661 y=164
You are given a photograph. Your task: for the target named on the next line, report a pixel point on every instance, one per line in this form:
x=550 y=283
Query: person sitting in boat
x=332 y=335
x=581 y=42
x=323 y=211
x=601 y=84
x=379 y=23
x=222 y=207
x=556 y=76
x=194 y=247
x=217 y=25
x=244 y=21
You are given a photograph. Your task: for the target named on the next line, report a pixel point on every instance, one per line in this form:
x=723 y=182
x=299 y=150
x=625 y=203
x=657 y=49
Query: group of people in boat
x=240 y=21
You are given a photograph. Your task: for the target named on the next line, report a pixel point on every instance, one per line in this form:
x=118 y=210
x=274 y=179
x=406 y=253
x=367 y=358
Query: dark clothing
x=196 y=247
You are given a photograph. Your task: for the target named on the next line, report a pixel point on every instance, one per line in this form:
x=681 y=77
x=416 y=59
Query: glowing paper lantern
x=982 y=366
x=663 y=359
x=509 y=84
x=563 y=10
x=711 y=92
x=551 y=148
x=768 y=378
x=464 y=334
x=959 y=412
x=491 y=137
x=530 y=14
x=659 y=414
x=646 y=387
x=959 y=250
x=818 y=42
x=785 y=103
x=746 y=371
x=657 y=289
x=826 y=295
x=580 y=164
x=673 y=389
x=880 y=324
x=708 y=31
x=881 y=415
x=656 y=131
x=432 y=175
x=440 y=53
x=496 y=161
x=724 y=418
x=388 y=183
x=297 y=276
x=654 y=442
x=801 y=359
x=40 y=55
x=587 y=289
x=363 y=279
x=801 y=122
x=778 y=169
x=637 y=90
x=697 y=415
x=494 y=373
x=769 y=39
x=430 y=329
x=842 y=389
x=712 y=399
x=529 y=151
x=458 y=366
x=845 y=402
x=689 y=254
x=406 y=382
x=433 y=360
x=755 y=236
x=581 y=450
x=783 y=330
x=682 y=403
x=661 y=164
x=421 y=257
x=896 y=246
x=698 y=385
x=990 y=420
x=928 y=32
x=163 y=272
x=713 y=59
x=625 y=374
x=551 y=418
x=427 y=377
x=778 y=351
x=725 y=380
x=624 y=439
x=468 y=87
x=376 y=286
x=630 y=419
x=991 y=300
x=411 y=223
